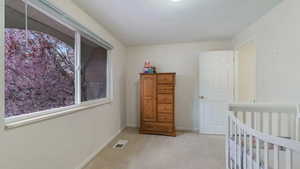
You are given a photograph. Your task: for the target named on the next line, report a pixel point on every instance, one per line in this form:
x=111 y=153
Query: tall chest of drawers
x=157 y=103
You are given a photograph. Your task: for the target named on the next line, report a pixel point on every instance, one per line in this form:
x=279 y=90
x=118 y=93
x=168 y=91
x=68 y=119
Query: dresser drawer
x=165 y=78
x=165 y=108
x=165 y=89
x=165 y=98
x=160 y=127
x=163 y=117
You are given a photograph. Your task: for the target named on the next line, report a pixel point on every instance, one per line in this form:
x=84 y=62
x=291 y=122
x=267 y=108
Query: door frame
x=234 y=90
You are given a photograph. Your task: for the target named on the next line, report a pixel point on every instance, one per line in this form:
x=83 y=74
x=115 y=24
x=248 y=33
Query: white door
x=215 y=90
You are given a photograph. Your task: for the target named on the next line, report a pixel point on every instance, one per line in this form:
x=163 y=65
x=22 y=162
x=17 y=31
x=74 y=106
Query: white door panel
x=215 y=90
x=213 y=118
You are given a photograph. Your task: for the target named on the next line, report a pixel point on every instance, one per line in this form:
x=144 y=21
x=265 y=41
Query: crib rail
x=255 y=130
x=272 y=108
x=274 y=119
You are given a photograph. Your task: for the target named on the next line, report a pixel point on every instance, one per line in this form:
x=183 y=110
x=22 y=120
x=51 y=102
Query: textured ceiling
x=141 y=22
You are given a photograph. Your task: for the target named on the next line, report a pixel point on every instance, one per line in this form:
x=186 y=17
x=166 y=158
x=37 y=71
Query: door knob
x=202 y=97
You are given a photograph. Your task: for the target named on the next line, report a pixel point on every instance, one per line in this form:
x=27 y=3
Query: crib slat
x=289 y=116
x=251 y=151
x=235 y=145
x=257 y=154
x=293 y=125
x=240 y=147
x=288 y=159
x=252 y=120
x=297 y=129
x=297 y=123
x=255 y=121
x=279 y=125
x=266 y=155
x=245 y=149
x=276 y=157
x=244 y=117
x=261 y=118
x=227 y=149
x=231 y=137
x=270 y=131
x=235 y=114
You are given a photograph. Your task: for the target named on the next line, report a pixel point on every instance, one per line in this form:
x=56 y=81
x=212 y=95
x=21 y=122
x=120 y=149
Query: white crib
x=262 y=136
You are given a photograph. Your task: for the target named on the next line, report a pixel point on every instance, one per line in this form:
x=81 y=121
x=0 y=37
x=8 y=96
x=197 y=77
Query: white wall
x=181 y=58
x=246 y=72
x=277 y=37
x=64 y=142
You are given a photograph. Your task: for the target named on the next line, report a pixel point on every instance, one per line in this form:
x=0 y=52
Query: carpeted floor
x=186 y=151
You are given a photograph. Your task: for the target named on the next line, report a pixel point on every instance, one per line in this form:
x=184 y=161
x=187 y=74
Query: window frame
x=25 y=119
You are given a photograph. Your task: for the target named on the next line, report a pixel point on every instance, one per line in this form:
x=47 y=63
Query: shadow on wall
x=138 y=105
x=187 y=103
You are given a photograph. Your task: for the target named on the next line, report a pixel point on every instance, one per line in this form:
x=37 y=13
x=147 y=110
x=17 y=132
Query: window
x=41 y=61
x=93 y=70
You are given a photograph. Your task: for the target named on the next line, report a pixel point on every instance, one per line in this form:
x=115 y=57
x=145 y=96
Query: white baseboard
x=132 y=125
x=187 y=129
x=93 y=155
x=210 y=132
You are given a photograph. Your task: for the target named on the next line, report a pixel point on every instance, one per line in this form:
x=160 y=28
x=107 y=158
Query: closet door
x=148 y=98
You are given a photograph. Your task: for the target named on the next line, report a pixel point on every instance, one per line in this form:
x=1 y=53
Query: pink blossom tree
x=39 y=75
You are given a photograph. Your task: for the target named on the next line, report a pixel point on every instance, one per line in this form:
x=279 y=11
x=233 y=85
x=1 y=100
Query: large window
x=40 y=63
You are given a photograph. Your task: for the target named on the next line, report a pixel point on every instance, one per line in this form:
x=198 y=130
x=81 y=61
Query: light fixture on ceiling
x=175 y=0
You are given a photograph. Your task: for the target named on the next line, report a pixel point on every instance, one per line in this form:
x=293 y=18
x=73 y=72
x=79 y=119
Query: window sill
x=22 y=120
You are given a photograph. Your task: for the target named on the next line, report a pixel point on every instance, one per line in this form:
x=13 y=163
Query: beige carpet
x=186 y=151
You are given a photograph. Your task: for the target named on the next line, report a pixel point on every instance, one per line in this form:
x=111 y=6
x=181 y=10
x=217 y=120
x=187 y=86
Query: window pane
x=14 y=14
x=93 y=70
x=39 y=74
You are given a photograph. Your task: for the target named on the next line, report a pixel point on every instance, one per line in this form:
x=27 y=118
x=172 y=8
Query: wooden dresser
x=157 y=97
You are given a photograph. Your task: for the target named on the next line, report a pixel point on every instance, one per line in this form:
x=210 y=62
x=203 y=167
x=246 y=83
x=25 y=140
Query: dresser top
x=173 y=73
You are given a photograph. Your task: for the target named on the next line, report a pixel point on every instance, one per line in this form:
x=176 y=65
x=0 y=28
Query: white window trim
x=109 y=76
x=22 y=120
x=77 y=68
x=34 y=117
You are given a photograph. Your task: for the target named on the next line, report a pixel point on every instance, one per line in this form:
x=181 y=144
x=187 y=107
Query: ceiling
x=142 y=22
